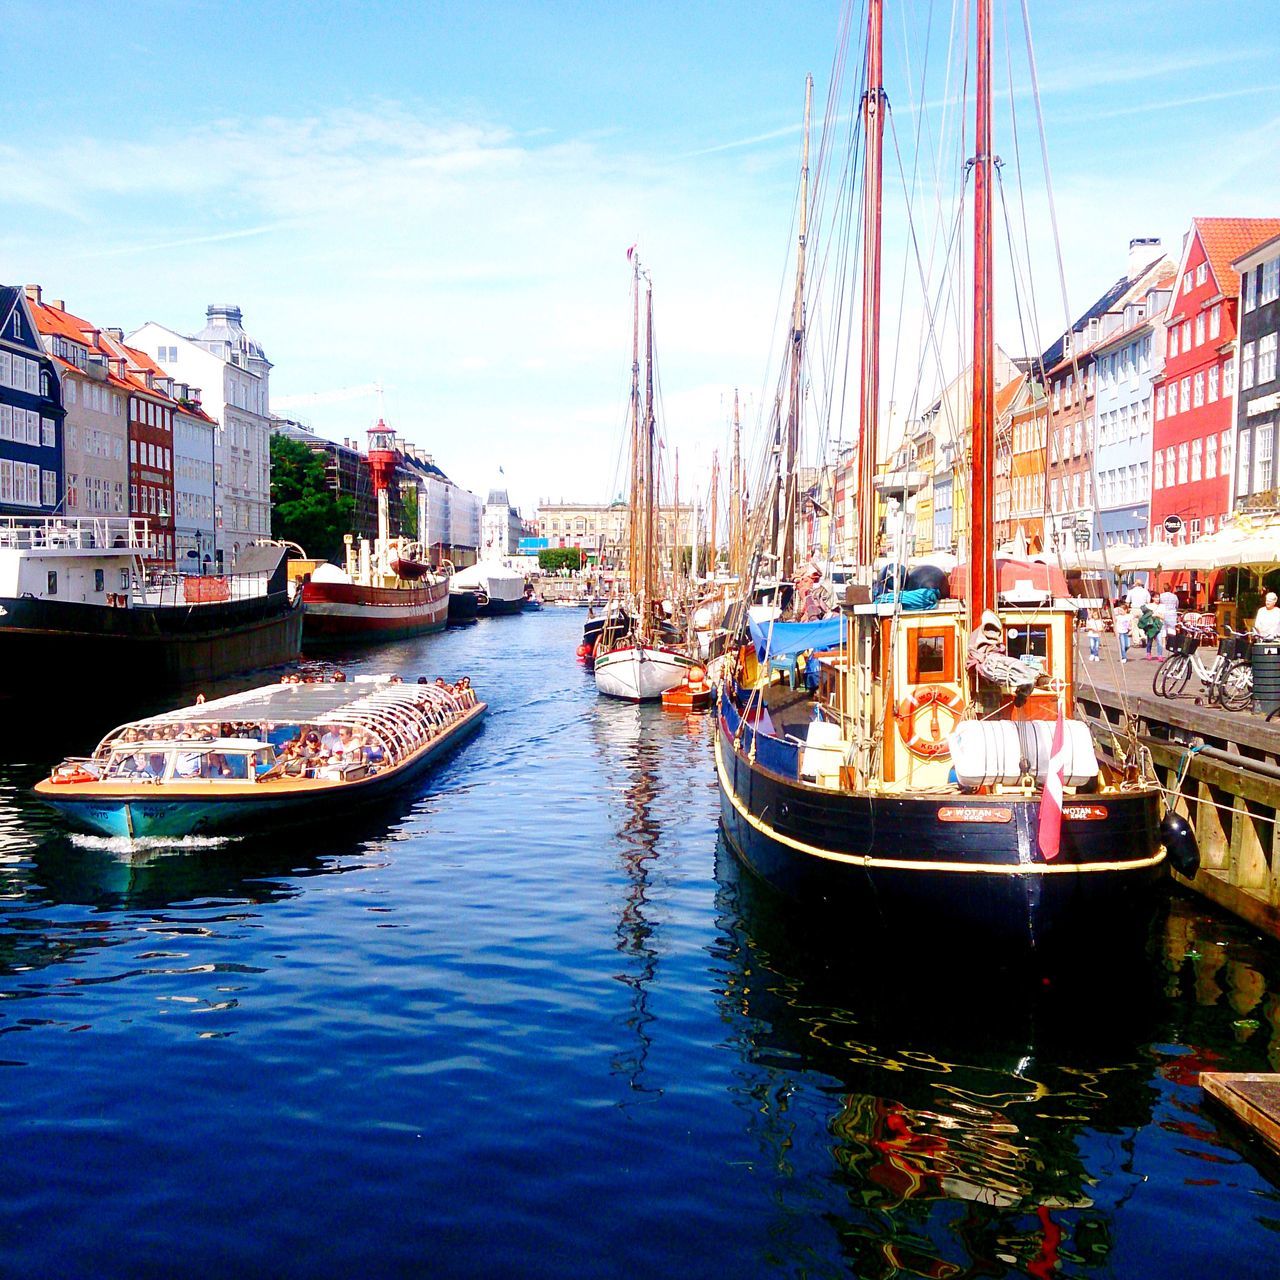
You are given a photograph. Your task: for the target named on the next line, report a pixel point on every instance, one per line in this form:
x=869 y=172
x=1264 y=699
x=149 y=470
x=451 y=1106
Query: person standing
x=1169 y=611
x=1136 y=597
x=1266 y=625
x=1094 y=626
x=1124 y=628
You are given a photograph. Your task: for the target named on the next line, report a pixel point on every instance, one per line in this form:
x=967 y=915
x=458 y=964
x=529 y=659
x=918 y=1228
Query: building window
x=1224 y=453
x=1246 y=366
x=1263 y=444
x=1215 y=320
x=1159 y=471
x=1186 y=283
x=1270 y=281
x=1173 y=340
x=1213 y=383
x=1202 y=273
x=1266 y=358
x=1242 y=463
x=1184 y=395
x=1211 y=457
x=1250 y=301
x=1184 y=457
x=1228 y=377
x=1200 y=329
x=1186 y=335
x=1159 y=404
x=1197 y=390
x=1196 y=457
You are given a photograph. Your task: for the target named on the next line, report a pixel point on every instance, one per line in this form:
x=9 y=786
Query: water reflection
x=977 y=1124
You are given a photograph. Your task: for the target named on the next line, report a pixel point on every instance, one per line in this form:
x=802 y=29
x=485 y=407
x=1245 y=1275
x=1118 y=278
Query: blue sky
x=440 y=197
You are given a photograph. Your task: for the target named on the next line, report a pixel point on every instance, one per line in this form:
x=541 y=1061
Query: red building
x=1194 y=426
x=151 y=410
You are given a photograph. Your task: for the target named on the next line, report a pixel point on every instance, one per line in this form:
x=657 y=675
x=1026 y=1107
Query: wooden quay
x=1223 y=767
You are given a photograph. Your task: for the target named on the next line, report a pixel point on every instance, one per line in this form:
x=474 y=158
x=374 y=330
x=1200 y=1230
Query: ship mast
x=715 y=486
x=633 y=524
x=650 y=472
x=874 y=103
x=735 y=494
x=790 y=503
x=982 y=590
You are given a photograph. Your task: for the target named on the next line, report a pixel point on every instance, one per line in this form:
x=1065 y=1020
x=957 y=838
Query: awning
x=787 y=639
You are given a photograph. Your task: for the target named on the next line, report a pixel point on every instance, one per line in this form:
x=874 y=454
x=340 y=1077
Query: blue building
x=31 y=413
x=1125 y=363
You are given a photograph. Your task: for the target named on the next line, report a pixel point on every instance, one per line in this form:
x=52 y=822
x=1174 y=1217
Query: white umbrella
x=1153 y=555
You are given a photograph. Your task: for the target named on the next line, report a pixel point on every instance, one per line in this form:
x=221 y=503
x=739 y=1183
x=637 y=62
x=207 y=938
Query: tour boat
x=77 y=610
x=916 y=765
x=233 y=765
x=387 y=590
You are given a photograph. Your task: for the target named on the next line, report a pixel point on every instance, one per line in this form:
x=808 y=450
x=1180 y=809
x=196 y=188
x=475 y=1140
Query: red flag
x=630 y=252
x=1050 y=834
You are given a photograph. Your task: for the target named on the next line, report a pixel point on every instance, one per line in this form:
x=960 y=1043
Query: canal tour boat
x=915 y=763
x=285 y=752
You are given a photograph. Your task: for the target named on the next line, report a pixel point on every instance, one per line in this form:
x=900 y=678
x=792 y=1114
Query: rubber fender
x=1180 y=844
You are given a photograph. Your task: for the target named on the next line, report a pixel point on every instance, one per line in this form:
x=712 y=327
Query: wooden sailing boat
x=924 y=787
x=640 y=657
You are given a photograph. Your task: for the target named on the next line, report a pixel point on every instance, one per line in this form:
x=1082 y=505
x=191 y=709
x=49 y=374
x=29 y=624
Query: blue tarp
x=787 y=639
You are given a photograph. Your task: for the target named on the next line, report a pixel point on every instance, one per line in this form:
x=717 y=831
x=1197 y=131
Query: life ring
x=930 y=698
x=64 y=776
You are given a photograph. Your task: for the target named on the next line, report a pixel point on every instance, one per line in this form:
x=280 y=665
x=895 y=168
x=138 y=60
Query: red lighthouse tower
x=383 y=457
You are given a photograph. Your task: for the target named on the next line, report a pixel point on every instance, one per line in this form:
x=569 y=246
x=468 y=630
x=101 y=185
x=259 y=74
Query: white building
x=195 y=436
x=449 y=517
x=501 y=526
x=235 y=374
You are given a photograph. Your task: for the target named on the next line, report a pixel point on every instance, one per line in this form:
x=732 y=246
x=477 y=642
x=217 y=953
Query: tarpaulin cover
x=787 y=639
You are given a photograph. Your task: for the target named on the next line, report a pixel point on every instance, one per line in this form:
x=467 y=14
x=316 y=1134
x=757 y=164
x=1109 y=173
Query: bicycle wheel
x=1236 y=690
x=1172 y=676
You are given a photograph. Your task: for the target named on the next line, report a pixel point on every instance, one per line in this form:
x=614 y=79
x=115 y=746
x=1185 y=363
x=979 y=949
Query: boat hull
x=495 y=608
x=347 y=613
x=244 y=808
x=48 y=643
x=945 y=869
x=640 y=672
x=463 y=607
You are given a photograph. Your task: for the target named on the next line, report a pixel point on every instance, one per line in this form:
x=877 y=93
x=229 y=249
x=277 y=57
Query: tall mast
x=675 y=533
x=633 y=497
x=790 y=504
x=735 y=493
x=715 y=487
x=982 y=591
x=650 y=471
x=873 y=107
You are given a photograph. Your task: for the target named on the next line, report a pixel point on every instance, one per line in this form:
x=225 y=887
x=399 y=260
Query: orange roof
x=1226 y=239
x=1006 y=395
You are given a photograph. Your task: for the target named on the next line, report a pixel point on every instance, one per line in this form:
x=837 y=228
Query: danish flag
x=1050 y=834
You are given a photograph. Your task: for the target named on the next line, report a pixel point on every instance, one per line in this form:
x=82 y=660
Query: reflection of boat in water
x=967 y=1123
x=257 y=758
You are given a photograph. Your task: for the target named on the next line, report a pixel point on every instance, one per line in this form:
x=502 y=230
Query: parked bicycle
x=1228 y=682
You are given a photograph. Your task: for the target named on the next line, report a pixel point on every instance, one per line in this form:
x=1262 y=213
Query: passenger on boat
x=330 y=740
x=186 y=764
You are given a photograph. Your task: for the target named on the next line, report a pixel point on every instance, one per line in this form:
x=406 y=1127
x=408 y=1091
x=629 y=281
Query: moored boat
x=75 y=603
x=280 y=753
x=387 y=590
x=500 y=590
x=914 y=765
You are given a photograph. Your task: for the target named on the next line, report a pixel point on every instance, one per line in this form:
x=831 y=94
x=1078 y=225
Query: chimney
x=1143 y=251
x=194 y=396
x=59 y=304
x=117 y=334
x=33 y=293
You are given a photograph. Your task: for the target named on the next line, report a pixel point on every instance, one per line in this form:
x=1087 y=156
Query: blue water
x=535 y=1023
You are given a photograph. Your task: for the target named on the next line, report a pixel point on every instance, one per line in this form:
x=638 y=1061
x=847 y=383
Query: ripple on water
x=534 y=1020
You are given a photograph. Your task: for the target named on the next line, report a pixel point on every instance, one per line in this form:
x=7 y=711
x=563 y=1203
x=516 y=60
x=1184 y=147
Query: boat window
x=931 y=659
x=99 y=581
x=1027 y=641
x=53 y=582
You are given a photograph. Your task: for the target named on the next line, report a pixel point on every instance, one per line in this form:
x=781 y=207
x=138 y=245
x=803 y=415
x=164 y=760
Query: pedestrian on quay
x=1136 y=597
x=1169 y=611
x=1124 y=627
x=1151 y=624
x=1095 y=627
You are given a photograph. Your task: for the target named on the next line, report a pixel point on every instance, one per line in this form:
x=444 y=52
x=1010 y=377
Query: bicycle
x=1228 y=682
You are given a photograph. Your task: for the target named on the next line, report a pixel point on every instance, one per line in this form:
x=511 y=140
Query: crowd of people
x=330 y=749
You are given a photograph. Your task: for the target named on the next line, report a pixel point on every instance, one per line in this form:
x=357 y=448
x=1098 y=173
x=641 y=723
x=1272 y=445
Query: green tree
x=303 y=508
x=553 y=559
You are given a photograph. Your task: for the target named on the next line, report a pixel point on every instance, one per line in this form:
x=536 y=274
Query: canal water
x=536 y=1022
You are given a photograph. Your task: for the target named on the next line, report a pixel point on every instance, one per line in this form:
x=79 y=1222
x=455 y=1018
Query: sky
x=438 y=199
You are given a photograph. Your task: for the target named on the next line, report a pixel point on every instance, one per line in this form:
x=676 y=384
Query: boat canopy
x=392 y=711
x=787 y=639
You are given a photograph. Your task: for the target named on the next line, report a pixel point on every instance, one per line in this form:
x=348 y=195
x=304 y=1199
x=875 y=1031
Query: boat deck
x=1251 y=1098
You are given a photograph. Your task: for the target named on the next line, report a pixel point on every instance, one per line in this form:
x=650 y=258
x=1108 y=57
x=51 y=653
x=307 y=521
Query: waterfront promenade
x=1223 y=766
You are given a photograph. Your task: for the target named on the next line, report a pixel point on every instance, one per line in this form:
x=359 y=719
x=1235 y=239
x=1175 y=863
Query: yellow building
x=600 y=528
